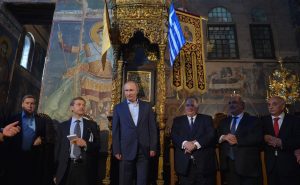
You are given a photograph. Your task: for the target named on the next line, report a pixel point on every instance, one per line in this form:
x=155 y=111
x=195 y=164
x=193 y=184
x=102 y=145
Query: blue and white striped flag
x=175 y=35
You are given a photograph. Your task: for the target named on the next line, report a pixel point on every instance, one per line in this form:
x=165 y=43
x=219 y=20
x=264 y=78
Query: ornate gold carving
x=145 y=16
x=117 y=85
x=160 y=108
x=284 y=83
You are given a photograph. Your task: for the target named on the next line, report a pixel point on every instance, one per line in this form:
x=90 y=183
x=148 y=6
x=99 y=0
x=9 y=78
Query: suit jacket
x=204 y=133
x=289 y=134
x=63 y=149
x=128 y=138
x=247 y=150
x=18 y=159
x=40 y=131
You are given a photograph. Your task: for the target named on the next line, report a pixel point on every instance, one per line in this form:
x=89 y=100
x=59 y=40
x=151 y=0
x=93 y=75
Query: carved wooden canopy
x=147 y=16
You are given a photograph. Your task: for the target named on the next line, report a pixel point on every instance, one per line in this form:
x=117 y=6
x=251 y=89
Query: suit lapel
x=241 y=124
x=141 y=112
x=66 y=130
x=228 y=122
x=37 y=124
x=127 y=112
x=196 y=124
x=68 y=126
x=270 y=125
x=187 y=124
x=85 y=130
x=284 y=126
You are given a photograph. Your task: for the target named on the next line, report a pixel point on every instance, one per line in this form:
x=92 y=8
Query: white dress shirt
x=134 y=111
x=281 y=117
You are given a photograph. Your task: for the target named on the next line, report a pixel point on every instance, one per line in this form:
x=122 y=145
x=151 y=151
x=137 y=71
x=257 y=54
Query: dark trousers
x=233 y=178
x=275 y=178
x=134 y=169
x=76 y=174
x=194 y=177
x=23 y=170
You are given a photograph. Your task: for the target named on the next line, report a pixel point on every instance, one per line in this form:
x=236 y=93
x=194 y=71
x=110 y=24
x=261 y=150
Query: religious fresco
x=250 y=80
x=72 y=71
x=8 y=45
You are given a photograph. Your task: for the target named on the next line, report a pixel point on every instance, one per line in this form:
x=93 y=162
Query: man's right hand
x=272 y=141
x=230 y=138
x=12 y=129
x=118 y=156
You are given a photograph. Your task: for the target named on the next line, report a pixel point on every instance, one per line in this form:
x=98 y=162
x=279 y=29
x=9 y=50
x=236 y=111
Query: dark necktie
x=276 y=126
x=28 y=134
x=77 y=131
x=232 y=129
x=192 y=123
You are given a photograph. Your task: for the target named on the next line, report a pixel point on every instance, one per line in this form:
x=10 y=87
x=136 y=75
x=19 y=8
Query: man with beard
x=240 y=138
x=25 y=150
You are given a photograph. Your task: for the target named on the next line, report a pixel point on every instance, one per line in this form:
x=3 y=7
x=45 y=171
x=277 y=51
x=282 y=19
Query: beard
x=28 y=113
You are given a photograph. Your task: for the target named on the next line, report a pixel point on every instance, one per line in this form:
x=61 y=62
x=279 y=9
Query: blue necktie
x=232 y=131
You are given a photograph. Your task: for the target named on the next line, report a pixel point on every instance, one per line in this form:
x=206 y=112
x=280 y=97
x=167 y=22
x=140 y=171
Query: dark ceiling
x=32 y=13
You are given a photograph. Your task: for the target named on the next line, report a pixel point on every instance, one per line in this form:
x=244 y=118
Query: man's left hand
x=38 y=141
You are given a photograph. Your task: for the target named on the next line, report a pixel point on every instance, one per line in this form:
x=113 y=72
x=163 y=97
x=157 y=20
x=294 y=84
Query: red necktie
x=276 y=126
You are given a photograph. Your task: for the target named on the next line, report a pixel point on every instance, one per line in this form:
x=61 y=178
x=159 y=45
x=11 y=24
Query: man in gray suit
x=134 y=135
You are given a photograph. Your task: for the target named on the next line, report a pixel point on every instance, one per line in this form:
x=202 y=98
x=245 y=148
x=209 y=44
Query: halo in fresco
x=94 y=32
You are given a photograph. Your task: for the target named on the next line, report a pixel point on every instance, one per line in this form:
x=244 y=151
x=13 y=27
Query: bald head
x=276 y=105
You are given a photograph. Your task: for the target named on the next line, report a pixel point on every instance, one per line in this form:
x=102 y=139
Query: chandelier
x=284 y=83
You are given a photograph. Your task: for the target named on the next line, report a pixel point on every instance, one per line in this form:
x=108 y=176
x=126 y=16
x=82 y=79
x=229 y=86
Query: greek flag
x=175 y=35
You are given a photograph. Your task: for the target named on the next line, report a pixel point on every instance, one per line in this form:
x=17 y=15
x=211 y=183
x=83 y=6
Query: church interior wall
x=21 y=81
x=59 y=73
x=63 y=66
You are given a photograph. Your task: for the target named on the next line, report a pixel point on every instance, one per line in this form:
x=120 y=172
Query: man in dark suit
x=25 y=151
x=193 y=136
x=240 y=138
x=281 y=133
x=77 y=146
x=134 y=134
